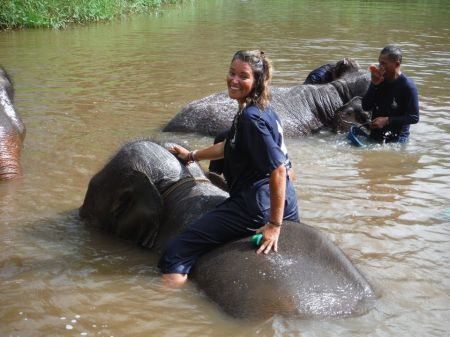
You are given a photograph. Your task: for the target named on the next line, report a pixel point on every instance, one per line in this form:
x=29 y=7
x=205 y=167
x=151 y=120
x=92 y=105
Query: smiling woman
x=59 y=13
x=255 y=168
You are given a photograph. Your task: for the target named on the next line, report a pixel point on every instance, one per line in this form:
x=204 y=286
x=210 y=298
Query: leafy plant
x=59 y=13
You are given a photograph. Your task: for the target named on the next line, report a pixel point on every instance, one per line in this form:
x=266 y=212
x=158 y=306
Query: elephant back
x=309 y=277
x=303 y=109
x=185 y=204
x=208 y=116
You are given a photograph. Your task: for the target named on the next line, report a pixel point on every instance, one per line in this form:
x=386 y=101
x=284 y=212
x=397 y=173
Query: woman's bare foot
x=174 y=280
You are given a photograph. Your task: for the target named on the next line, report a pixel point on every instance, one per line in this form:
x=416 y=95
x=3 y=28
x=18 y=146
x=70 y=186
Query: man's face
x=387 y=66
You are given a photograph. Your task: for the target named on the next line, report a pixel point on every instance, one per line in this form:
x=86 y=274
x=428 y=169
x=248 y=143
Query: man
x=392 y=98
x=330 y=72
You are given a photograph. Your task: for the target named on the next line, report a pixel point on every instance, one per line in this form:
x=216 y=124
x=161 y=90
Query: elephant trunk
x=10 y=147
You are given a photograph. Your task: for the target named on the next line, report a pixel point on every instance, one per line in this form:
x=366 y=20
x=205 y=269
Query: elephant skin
x=12 y=130
x=303 y=109
x=351 y=113
x=132 y=196
x=146 y=195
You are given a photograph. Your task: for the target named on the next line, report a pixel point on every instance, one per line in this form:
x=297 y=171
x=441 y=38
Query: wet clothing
x=217 y=165
x=253 y=149
x=321 y=75
x=398 y=100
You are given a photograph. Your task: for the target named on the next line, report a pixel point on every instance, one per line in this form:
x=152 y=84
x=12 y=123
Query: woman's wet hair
x=262 y=72
x=394 y=53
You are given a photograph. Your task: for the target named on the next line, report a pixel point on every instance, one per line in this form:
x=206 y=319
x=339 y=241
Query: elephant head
x=350 y=114
x=12 y=130
x=124 y=198
x=128 y=196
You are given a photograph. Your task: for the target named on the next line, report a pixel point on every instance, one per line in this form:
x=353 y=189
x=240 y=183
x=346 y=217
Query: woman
x=255 y=160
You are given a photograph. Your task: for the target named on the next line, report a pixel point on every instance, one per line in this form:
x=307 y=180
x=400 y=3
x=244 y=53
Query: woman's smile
x=240 y=80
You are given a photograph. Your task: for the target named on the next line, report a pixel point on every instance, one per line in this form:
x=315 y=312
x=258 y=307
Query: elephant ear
x=136 y=210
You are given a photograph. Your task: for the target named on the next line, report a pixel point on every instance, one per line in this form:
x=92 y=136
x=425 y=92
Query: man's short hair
x=394 y=53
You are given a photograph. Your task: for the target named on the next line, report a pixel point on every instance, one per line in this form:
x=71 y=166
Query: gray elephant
x=303 y=109
x=146 y=195
x=12 y=130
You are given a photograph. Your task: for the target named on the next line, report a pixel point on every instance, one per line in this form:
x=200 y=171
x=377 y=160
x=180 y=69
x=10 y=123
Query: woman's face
x=240 y=80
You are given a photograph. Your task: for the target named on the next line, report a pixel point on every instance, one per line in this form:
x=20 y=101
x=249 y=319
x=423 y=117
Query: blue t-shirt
x=321 y=75
x=254 y=148
x=398 y=100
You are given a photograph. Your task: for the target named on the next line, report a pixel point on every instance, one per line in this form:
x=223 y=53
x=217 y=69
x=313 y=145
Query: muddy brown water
x=84 y=91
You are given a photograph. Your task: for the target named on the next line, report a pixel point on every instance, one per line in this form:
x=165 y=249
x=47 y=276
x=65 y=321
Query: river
x=84 y=91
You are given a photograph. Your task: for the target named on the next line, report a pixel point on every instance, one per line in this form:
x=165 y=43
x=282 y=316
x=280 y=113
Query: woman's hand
x=180 y=152
x=211 y=153
x=270 y=233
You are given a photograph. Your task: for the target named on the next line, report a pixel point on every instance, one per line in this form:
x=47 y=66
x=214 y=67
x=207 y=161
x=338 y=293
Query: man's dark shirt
x=398 y=100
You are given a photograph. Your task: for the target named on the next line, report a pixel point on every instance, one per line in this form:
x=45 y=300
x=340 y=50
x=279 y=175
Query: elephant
x=12 y=130
x=303 y=109
x=146 y=195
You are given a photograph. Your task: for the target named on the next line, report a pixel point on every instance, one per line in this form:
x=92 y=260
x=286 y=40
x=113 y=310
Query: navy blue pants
x=235 y=218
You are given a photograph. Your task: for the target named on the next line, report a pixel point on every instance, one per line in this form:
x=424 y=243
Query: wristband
x=274 y=223
x=193 y=153
x=191 y=156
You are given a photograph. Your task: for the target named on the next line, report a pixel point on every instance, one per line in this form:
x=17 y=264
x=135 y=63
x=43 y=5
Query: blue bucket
x=357 y=136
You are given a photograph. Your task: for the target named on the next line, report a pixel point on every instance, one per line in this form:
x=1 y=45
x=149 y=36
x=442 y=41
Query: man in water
x=392 y=98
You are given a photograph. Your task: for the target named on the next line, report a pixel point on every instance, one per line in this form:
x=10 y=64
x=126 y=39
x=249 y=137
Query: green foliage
x=59 y=13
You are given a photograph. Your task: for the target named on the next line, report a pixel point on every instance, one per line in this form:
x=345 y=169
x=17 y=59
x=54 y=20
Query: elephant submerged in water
x=12 y=130
x=303 y=109
x=146 y=195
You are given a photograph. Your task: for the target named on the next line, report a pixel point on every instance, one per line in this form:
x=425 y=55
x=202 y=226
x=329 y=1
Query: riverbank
x=57 y=14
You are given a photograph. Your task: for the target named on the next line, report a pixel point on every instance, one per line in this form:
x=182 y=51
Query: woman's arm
x=271 y=230
x=212 y=152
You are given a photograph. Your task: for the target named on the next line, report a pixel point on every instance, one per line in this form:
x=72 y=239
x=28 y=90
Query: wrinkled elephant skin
x=12 y=130
x=351 y=113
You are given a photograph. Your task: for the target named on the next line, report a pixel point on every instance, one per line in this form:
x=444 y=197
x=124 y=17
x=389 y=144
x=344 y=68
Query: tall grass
x=59 y=13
